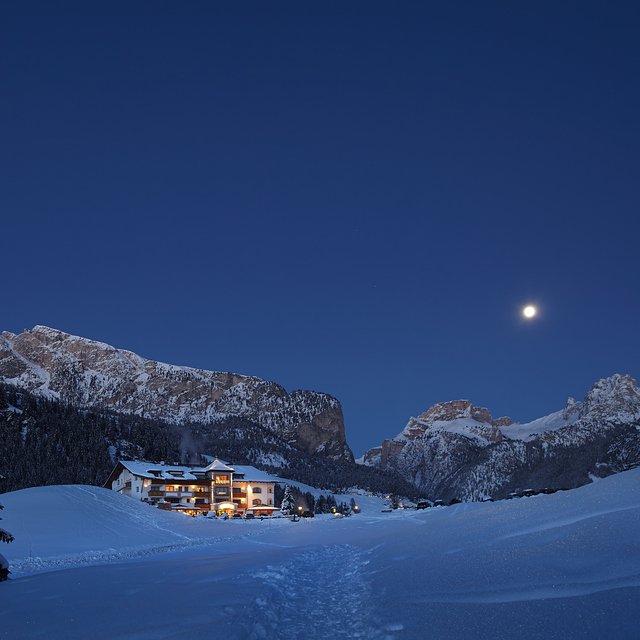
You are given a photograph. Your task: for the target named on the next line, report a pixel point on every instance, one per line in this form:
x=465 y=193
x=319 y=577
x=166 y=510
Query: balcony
x=158 y=494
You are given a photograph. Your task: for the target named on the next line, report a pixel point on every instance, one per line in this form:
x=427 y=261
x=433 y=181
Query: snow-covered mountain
x=94 y=375
x=456 y=450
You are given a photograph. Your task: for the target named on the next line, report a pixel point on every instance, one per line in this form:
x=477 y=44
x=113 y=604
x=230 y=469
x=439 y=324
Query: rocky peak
x=617 y=395
x=571 y=409
x=445 y=415
x=456 y=409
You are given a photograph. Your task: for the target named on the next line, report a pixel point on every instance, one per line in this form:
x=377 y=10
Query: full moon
x=529 y=312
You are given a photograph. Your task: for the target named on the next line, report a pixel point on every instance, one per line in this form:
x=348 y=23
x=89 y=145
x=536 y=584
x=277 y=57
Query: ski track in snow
x=322 y=593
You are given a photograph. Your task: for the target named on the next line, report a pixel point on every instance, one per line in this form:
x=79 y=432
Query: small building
x=218 y=487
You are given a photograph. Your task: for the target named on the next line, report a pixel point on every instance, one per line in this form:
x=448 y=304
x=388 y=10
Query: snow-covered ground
x=88 y=563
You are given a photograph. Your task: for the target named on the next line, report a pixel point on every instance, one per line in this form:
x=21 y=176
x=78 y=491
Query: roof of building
x=159 y=471
x=216 y=465
x=251 y=474
x=181 y=472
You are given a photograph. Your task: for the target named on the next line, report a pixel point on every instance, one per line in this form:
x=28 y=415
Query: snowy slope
x=551 y=566
x=530 y=430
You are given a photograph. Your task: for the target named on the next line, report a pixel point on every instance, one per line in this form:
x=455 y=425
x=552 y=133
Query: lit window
x=222 y=479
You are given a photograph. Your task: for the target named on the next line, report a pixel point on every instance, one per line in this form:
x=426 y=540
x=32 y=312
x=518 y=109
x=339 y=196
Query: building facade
x=217 y=488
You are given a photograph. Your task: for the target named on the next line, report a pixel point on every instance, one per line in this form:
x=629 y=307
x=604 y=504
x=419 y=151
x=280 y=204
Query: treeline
x=45 y=442
x=306 y=501
x=337 y=476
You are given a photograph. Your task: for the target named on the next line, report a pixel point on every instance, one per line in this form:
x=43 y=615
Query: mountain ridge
x=95 y=375
x=457 y=450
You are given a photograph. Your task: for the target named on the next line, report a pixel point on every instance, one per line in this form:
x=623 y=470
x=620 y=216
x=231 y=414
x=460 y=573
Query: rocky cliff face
x=94 y=375
x=457 y=450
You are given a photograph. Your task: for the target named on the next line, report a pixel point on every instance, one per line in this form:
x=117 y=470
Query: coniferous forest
x=46 y=442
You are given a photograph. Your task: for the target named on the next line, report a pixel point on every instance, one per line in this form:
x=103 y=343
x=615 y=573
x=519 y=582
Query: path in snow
x=324 y=592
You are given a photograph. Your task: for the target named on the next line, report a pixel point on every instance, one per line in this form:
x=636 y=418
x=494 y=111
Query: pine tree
x=288 y=504
x=4 y=404
x=5 y=536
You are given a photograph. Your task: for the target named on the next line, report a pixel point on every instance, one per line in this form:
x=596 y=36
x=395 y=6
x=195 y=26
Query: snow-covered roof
x=175 y=472
x=167 y=472
x=216 y=465
x=251 y=474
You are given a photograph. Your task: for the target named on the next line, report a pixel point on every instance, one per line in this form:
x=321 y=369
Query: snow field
x=565 y=565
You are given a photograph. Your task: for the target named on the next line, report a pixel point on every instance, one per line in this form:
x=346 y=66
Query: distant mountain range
x=147 y=408
x=456 y=450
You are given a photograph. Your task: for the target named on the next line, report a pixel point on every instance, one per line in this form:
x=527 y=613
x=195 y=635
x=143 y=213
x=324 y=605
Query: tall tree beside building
x=288 y=503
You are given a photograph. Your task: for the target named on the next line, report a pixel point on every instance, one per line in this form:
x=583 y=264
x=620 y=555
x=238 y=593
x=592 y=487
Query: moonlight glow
x=529 y=312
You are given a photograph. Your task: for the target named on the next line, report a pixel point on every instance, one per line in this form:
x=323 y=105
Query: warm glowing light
x=529 y=312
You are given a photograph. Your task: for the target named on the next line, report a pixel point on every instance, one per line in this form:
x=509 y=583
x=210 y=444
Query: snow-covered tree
x=5 y=536
x=288 y=504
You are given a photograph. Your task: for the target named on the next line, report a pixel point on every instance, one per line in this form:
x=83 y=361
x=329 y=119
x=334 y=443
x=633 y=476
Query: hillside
x=93 y=375
x=46 y=442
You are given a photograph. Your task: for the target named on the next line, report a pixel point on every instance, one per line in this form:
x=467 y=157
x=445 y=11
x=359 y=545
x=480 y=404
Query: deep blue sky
x=352 y=197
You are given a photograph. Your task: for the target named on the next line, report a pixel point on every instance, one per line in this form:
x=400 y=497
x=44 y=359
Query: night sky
x=352 y=197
